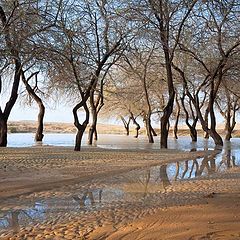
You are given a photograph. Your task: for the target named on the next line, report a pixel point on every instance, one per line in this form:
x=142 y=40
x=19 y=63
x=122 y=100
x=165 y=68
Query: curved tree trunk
x=153 y=131
x=136 y=124
x=80 y=127
x=39 y=133
x=126 y=124
x=12 y=49
x=137 y=128
x=192 y=127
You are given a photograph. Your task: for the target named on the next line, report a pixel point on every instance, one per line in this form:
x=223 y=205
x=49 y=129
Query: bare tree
x=34 y=93
x=85 y=43
x=140 y=66
x=222 y=44
x=165 y=14
x=21 y=23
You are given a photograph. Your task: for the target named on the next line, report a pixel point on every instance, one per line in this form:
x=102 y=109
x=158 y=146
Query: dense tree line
x=128 y=59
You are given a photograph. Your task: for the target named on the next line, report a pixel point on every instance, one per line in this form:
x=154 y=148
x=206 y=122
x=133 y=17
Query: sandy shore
x=117 y=194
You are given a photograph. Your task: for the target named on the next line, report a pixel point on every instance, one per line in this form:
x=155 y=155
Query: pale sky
x=59 y=114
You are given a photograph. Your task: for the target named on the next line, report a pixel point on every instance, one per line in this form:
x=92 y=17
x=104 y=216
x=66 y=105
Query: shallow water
x=113 y=141
x=147 y=188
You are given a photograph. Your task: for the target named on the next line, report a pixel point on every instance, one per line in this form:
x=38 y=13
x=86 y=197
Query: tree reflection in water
x=88 y=199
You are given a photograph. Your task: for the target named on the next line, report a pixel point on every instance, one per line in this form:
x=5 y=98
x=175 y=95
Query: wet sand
x=206 y=207
x=26 y=170
x=213 y=218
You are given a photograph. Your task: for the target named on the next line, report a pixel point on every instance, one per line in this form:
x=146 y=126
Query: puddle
x=142 y=188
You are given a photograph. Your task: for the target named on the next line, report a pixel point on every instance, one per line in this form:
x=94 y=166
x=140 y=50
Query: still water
x=112 y=141
x=134 y=191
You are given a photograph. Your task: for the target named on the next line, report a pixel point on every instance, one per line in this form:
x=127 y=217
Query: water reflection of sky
x=138 y=186
x=117 y=141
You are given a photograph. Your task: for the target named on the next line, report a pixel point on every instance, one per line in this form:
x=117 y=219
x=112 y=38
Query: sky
x=61 y=113
x=57 y=114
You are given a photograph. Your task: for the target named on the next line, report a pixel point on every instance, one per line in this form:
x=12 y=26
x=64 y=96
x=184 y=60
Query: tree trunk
x=192 y=127
x=126 y=124
x=228 y=127
x=175 y=129
x=153 y=131
x=137 y=129
x=13 y=50
x=193 y=134
x=231 y=115
x=95 y=134
x=127 y=130
x=3 y=133
x=80 y=127
x=135 y=123
x=148 y=128
x=167 y=112
x=96 y=105
x=213 y=133
x=39 y=134
x=79 y=136
x=93 y=128
x=206 y=136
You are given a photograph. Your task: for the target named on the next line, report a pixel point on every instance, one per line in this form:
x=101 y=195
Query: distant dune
x=55 y=127
x=58 y=127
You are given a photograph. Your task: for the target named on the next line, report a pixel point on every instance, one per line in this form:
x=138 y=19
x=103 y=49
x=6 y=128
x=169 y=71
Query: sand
x=206 y=207
x=26 y=170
